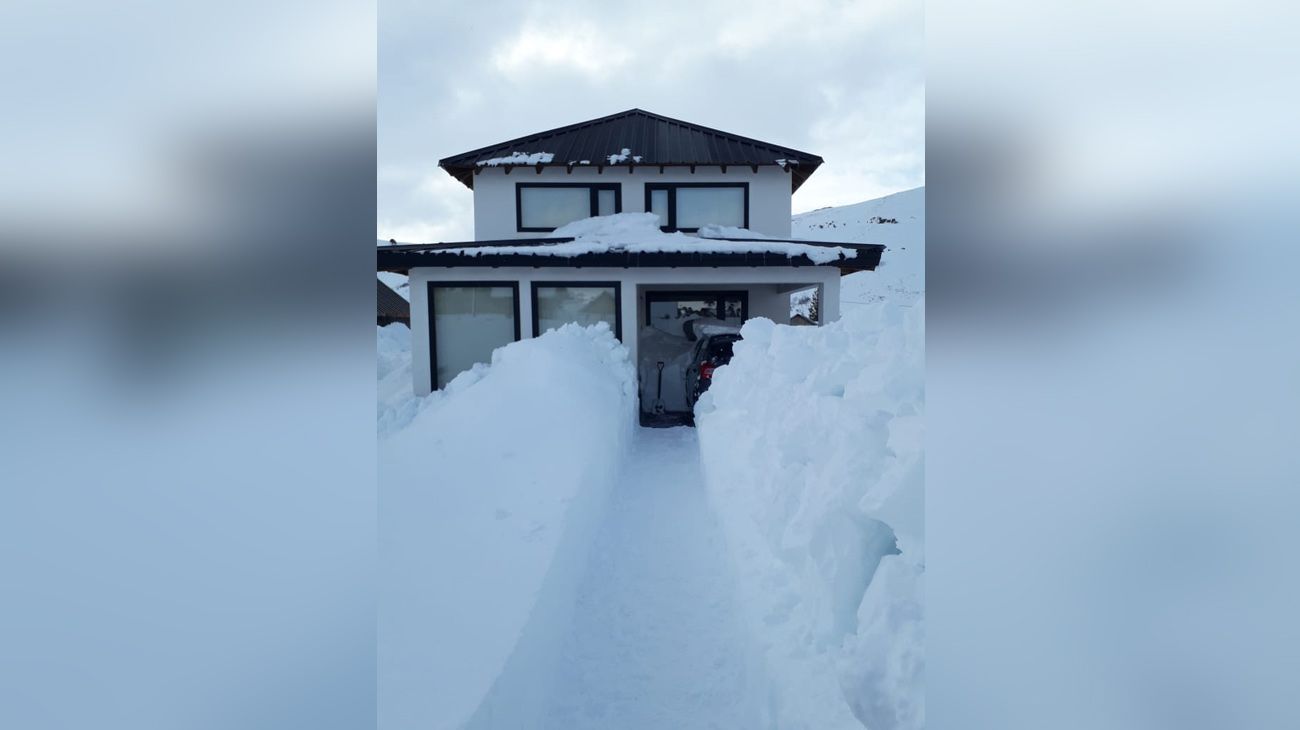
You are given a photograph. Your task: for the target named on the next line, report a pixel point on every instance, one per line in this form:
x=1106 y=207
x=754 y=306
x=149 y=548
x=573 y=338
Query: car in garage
x=712 y=350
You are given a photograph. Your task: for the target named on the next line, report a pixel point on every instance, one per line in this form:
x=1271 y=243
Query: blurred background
x=187 y=468
x=187 y=364
x=1113 y=374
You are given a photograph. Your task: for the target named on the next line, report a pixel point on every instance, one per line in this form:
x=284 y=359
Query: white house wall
x=494 y=193
x=768 y=287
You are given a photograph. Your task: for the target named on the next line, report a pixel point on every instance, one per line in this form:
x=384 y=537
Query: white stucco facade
x=768 y=290
x=494 y=193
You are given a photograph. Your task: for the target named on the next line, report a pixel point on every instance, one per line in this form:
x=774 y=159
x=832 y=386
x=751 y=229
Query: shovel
x=659 y=394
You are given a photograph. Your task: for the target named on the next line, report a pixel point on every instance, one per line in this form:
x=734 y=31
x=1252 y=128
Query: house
x=391 y=306
x=562 y=234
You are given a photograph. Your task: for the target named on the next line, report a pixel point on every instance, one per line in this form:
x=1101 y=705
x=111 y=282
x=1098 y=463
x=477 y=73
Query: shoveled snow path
x=654 y=642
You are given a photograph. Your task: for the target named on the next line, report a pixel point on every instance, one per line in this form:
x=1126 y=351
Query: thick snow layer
x=900 y=278
x=717 y=231
x=639 y=233
x=489 y=499
x=518 y=158
x=811 y=441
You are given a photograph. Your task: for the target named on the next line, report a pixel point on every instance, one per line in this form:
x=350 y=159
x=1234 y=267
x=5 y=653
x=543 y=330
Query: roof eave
x=799 y=172
x=402 y=259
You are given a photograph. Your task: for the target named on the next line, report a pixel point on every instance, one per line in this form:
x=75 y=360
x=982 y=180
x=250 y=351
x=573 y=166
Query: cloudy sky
x=840 y=78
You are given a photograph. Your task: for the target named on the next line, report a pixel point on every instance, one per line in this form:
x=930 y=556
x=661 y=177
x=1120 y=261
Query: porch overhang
x=402 y=258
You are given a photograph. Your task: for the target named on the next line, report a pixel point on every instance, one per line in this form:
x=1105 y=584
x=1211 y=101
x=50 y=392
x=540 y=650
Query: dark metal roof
x=656 y=139
x=391 y=304
x=403 y=258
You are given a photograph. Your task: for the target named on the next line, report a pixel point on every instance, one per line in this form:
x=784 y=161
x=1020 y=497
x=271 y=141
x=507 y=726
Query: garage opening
x=669 y=343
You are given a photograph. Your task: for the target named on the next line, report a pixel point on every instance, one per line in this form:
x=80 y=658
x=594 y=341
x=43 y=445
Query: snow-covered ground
x=545 y=564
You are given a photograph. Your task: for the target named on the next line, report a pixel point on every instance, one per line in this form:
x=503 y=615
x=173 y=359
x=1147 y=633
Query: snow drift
x=397 y=404
x=488 y=502
x=811 y=442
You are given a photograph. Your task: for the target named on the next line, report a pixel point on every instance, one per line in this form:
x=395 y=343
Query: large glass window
x=557 y=304
x=697 y=207
x=467 y=322
x=547 y=206
x=691 y=206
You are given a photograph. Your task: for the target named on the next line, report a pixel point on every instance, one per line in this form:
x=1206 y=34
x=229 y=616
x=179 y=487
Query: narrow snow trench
x=654 y=641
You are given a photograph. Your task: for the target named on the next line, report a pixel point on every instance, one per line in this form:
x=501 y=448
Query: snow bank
x=397 y=401
x=639 y=233
x=811 y=441
x=488 y=500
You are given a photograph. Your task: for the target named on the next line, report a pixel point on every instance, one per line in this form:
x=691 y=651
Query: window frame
x=671 y=188
x=433 y=318
x=678 y=295
x=618 y=301
x=594 y=198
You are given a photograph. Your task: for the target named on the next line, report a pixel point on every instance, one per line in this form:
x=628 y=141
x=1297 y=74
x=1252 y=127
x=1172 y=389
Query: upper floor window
x=542 y=207
x=690 y=206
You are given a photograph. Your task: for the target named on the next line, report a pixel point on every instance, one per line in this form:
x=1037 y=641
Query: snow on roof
x=639 y=233
x=519 y=158
x=622 y=156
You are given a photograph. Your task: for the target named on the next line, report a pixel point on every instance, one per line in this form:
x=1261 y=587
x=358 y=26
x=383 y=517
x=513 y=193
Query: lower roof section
x=402 y=258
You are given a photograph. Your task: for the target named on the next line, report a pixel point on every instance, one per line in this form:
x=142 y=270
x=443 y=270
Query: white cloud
x=839 y=78
x=581 y=48
x=745 y=30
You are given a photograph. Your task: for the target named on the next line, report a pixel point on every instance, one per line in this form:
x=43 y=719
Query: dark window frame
x=678 y=295
x=618 y=300
x=594 y=199
x=671 y=224
x=433 y=332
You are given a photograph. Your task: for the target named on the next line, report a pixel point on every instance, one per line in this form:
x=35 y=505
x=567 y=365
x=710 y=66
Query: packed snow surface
x=519 y=158
x=639 y=233
x=654 y=642
x=811 y=440
x=489 y=500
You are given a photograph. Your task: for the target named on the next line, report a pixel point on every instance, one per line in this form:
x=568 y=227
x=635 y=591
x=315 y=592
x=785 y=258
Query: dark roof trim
x=656 y=139
x=403 y=258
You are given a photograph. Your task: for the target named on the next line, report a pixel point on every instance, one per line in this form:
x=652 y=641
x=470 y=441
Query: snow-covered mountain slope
x=898 y=222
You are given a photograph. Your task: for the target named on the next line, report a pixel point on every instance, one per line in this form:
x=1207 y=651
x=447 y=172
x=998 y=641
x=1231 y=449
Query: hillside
x=901 y=275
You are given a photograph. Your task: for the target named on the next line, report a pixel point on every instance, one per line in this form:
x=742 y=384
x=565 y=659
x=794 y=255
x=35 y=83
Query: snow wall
x=811 y=442
x=489 y=497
